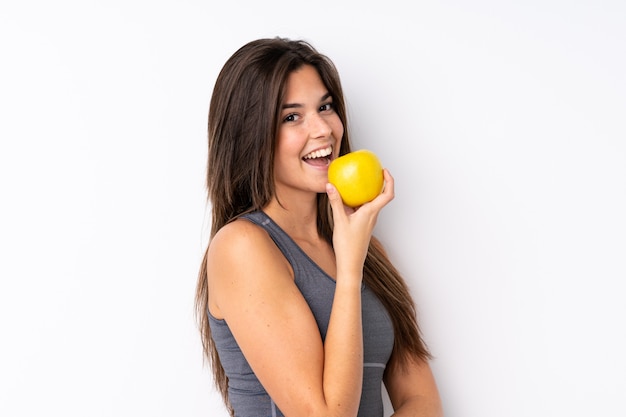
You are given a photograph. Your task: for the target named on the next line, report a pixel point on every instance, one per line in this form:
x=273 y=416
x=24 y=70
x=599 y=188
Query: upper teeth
x=320 y=153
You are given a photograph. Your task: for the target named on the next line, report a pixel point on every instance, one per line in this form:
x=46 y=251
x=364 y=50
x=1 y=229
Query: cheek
x=338 y=129
x=340 y=132
x=286 y=151
x=287 y=147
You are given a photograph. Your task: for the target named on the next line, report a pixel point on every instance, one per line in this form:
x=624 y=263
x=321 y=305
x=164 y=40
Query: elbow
x=419 y=405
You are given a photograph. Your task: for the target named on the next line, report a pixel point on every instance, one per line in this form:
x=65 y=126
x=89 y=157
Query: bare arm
x=412 y=390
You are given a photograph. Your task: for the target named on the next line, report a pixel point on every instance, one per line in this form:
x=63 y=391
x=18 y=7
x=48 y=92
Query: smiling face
x=309 y=135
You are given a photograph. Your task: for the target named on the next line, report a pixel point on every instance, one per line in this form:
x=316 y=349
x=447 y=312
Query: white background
x=502 y=122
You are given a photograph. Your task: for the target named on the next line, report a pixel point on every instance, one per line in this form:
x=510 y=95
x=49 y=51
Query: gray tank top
x=247 y=396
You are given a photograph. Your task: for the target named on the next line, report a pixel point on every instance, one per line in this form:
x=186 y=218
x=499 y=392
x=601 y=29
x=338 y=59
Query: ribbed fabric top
x=246 y=394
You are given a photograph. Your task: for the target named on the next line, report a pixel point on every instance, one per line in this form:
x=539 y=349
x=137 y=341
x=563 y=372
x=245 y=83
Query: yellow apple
x=358 y=176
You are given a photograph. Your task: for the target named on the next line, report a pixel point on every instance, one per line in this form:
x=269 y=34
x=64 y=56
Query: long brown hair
x=242 y=127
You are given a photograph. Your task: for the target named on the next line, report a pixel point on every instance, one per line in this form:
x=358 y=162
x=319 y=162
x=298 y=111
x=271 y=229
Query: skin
x=257 y=296
x=412 y=390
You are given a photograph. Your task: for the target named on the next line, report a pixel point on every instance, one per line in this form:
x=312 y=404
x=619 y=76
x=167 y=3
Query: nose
x=319 y=127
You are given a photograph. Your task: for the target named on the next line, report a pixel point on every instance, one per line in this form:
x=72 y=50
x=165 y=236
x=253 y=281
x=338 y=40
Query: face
x=309 y=135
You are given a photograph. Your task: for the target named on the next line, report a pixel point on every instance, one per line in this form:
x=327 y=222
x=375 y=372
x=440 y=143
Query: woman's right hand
x=353 y=227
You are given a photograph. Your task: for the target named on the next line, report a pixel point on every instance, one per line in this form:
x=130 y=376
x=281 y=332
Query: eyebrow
x=298 y=105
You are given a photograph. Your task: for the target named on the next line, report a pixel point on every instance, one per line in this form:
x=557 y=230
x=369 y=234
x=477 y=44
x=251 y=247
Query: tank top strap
x=287 y=246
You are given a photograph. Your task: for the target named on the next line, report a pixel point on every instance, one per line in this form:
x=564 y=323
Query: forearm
x=343 y=350
x=343 y=345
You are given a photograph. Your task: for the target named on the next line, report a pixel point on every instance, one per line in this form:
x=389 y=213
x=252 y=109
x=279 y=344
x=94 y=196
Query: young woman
x=301 y=312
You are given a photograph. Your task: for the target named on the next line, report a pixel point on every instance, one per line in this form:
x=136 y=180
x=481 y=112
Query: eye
x=326 y=107
x=292 y=117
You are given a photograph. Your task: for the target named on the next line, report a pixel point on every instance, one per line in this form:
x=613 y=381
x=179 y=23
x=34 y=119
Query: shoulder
x=243 y=256
x=240 y=232
x=244 y=243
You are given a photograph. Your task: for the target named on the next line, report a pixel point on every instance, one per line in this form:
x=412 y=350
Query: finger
x=334 y=198
x=387 y=193
x=389 y=183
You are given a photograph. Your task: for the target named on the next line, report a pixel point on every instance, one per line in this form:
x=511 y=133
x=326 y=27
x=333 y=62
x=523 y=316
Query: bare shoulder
x=242 y=255
x=240 y=232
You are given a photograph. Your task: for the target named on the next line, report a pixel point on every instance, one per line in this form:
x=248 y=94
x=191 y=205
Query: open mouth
x=320 y=158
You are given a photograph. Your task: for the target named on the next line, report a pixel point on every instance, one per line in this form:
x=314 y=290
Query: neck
x=296 y=217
